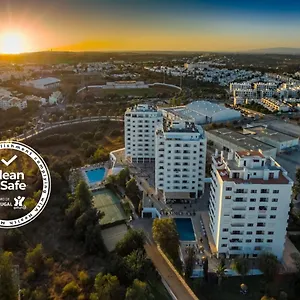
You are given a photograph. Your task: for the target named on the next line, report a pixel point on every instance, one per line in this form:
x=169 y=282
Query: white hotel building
x=140 y=125
x=180 y=152
x=249 y=204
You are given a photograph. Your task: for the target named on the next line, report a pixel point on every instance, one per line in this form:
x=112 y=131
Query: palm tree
x=241 y=266
x=220 y=271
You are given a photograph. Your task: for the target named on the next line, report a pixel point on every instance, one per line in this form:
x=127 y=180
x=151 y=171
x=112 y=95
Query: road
x=49 y=126
x=175 y=282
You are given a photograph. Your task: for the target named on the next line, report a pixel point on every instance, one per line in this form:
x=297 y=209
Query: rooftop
x=250 y=153
x=246 y=142
x=45 y=81
x=198 y=109
x=261 y=132
x=142 y=108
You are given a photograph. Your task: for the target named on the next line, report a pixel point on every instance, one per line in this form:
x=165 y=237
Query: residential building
x=7 y=102
x=249 y=204
x=180 y=151
x=140 y=124
x=274 y=105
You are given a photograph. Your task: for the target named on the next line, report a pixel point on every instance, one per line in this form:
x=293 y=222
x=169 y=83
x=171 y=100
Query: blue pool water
x=95 y=175
x=185 y=229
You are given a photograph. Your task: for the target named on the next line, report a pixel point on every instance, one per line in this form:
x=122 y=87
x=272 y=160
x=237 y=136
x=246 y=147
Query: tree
x=296 y=258
x=137 y=265
x=220 y=271
x=133 y=192
x=122 y=177
x=107 y=287
x=138 y=291
x=268 y=264
x=93 y=243
x=133 y=240
x=205 y=268
x=71 y=290
x=89 y=218
x=241 y=266
x=83 y=196
x=165 y=234
x=189 y=263
x=296 y=187
x=8 y=286
x=35 y=258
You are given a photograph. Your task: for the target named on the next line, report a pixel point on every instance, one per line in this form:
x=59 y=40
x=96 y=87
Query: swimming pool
x=185 y=229
x=95 y=175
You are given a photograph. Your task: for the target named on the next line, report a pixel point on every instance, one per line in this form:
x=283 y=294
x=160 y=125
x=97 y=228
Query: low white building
x=275 y=105
x=180 y=157
x=272 y=137
x=249 y=204
x=203 y=112
x=43 y=83
x=7 y=102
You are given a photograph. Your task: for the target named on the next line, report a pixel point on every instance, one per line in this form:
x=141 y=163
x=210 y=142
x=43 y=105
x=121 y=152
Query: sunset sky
x=111 y=25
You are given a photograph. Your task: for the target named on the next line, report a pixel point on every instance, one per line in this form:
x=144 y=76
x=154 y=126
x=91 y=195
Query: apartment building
x=249 y=204
x=180 y=150
x=274 y=105
x=140 y=124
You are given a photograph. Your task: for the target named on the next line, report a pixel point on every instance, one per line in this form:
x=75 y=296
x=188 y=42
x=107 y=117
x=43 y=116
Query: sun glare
x=12 y=43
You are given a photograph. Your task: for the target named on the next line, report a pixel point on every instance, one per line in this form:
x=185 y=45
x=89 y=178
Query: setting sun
x=12 y=43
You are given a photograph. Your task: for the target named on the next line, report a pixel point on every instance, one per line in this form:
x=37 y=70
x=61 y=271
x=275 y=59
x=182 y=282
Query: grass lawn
x=230 y=289
x=123 y=92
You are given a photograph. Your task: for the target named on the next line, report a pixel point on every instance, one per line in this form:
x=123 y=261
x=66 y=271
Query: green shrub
x=83 y=277
x=71 y=290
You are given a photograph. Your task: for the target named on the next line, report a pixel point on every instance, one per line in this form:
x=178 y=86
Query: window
x=274 y=200
x=253 y=191
x=224 y=245
x=252 y=208
x=263 y=200
x=264 y=191
x=249 y=232
x=272 y=217
x=259 y=240
x=273 y=208
x=227 y=197
x=255 y=160
x=248 y=241
x=229 y=189
x=252 y=200
x=270 y=241
x=225 y=229
x=250 y=224
x=275 y=191
x=270 y=232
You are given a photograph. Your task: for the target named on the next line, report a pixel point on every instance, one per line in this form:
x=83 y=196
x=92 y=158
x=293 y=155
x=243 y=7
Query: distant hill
x=278 y=50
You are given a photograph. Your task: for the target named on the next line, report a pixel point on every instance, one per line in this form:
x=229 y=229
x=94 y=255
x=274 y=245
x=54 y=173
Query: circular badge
x=25 y=184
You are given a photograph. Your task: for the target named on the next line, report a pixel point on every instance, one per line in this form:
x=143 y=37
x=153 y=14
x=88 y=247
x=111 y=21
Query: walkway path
x=176 y=284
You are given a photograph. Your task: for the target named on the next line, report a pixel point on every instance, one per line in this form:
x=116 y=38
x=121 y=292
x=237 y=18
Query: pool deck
x=99 y=183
